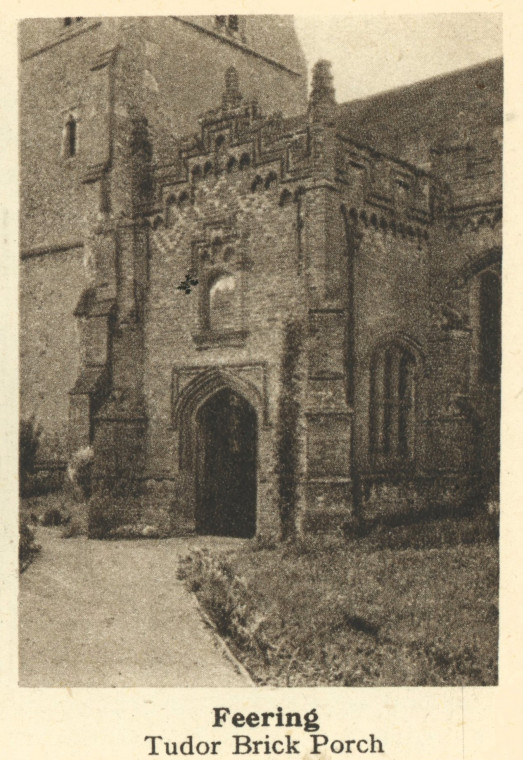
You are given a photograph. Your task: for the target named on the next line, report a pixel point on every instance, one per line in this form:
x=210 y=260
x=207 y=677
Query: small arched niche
x=223 y=303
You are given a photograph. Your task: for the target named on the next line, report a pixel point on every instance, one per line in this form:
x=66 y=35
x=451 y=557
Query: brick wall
x=50 y=287
x=262 y=237
x=52 y=84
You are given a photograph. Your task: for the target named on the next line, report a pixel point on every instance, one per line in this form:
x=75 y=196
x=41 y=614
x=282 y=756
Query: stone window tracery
x=220 y=265
x=393 y=406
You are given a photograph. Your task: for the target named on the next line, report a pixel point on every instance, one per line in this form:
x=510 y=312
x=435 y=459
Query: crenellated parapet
x=305 y=150
x=474 y=217
x=392 y=192
x=296 y=153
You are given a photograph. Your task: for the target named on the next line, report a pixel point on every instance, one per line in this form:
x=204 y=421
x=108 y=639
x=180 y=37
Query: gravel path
x=112 y=613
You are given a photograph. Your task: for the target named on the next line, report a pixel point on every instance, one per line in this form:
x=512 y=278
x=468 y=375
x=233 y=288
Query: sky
x=371 y=54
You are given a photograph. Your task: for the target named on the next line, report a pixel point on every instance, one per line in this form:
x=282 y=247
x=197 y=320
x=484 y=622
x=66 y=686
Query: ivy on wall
x=288 y=428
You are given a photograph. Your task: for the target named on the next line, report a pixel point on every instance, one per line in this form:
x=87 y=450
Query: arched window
x=222 y=306
x=490 y=327
x=70 y=137
x=393 y=406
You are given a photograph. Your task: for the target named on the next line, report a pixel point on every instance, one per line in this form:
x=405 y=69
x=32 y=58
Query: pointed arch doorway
x=226 y=466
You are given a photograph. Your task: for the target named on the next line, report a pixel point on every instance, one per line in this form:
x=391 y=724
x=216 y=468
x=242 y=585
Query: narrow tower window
x=233 y=23
x=70 y=142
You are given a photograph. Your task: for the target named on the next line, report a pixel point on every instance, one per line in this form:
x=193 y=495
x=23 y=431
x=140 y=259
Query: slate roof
x=406 y=122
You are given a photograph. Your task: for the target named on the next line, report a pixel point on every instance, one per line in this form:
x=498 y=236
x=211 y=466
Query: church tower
x=102 y=101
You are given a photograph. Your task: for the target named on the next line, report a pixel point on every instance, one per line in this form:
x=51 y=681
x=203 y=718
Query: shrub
x=29 y=441
x=35 y=482
x=55 y=516
x=41 y=483
x=49 y=481
x=27 y=546
x=224 y=597
x=79 y=472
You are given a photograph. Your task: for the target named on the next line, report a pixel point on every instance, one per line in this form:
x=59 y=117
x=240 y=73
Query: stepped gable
x=409 y=121
x=236 y=136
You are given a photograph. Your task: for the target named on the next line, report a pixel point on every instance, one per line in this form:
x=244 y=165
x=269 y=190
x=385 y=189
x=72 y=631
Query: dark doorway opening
x=226 y=469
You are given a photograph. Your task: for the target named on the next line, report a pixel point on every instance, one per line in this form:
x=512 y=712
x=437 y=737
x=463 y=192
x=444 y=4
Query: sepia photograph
x=260 y=293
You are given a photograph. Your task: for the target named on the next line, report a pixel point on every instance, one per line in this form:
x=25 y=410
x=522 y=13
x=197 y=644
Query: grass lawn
x=412 y=605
